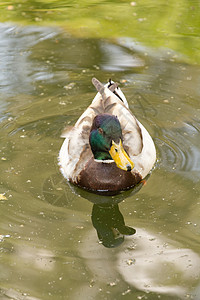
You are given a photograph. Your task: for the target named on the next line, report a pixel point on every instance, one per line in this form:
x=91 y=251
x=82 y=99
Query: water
x=55 y=241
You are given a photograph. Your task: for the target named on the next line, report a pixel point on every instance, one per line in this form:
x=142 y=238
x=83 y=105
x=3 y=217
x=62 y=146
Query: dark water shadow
x=110 y=226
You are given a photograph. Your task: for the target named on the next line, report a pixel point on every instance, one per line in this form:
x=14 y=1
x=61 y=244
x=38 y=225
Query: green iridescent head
x=105 y=128
x=106 y=141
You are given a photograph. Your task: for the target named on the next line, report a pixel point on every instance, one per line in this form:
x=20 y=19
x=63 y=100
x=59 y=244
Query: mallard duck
x=108 y=149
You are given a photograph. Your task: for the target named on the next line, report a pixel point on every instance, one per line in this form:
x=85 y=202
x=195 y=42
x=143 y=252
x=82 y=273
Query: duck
x=108 y=149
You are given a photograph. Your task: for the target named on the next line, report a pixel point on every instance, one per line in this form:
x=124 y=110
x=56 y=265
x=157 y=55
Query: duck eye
x=100 y=130
x=116 y=150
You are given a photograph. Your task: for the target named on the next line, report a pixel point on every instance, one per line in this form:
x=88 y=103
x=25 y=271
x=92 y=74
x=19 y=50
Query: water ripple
x=179 y=150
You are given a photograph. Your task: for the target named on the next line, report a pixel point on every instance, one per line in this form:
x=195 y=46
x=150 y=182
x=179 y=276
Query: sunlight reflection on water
x=148 y=262
x=15 y=49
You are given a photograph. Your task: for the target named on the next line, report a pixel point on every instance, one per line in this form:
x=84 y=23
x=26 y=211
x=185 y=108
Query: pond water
x=56 y=241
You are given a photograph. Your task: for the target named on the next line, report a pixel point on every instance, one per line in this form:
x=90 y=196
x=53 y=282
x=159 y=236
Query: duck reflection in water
x=106 y=216
x=109 y=224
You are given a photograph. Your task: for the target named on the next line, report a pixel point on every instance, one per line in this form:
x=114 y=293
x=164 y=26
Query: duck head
x=106 y=141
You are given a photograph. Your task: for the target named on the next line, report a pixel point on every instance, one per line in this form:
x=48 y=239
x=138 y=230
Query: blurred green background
x=172 y=24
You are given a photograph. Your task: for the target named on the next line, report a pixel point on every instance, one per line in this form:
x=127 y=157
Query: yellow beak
x=120 y=157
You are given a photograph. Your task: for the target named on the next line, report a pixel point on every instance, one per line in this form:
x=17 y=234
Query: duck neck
x=100 y=155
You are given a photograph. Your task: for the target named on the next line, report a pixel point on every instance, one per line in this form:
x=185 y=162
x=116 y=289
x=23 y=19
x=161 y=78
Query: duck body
x=107 y=150
x=106 y=177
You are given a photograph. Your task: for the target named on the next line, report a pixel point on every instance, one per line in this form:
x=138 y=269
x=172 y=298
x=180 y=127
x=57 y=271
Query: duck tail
x=112 y=86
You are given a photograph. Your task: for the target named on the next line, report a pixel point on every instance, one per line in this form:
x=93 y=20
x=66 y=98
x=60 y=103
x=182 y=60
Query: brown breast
x=99 y=176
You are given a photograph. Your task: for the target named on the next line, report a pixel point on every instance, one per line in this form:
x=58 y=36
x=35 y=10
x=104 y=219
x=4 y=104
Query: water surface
x=51 y=241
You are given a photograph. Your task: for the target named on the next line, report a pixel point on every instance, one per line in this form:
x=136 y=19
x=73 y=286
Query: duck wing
x=136 y=139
